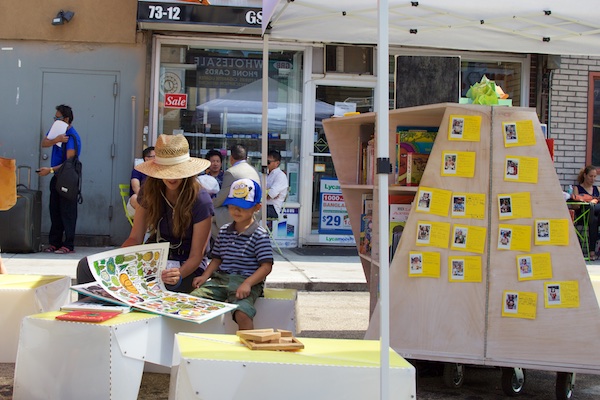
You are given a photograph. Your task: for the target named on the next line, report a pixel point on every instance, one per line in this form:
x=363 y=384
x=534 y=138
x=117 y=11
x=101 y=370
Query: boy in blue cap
x=242 y=256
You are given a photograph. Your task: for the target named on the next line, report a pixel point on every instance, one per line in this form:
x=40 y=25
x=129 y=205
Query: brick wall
x=568 y=114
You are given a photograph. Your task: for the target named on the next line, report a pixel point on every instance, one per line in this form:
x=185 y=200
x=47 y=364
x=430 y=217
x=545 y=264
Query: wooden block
x=295 y=345
x=259 y=335
x=285 y=333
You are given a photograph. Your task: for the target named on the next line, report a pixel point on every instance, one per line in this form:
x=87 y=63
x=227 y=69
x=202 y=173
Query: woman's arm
x=138 y=230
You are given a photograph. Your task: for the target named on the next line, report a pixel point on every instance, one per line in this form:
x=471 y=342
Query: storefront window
x=214 y=97
x=505 y=74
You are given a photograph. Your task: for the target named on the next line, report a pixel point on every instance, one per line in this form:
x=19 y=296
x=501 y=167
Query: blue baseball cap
x=244 y=193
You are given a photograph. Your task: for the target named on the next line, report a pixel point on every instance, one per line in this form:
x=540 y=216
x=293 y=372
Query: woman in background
x=588 y=192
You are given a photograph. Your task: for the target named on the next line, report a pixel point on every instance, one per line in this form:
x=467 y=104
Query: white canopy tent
x=516 y=26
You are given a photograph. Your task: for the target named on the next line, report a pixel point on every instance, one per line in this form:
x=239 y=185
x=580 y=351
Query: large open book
x=131 y=276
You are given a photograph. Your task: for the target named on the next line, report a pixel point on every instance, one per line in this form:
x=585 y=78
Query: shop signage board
x=169 y=12
x=333 y=217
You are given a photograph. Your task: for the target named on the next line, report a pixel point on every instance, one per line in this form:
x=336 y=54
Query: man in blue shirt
x=63 y=212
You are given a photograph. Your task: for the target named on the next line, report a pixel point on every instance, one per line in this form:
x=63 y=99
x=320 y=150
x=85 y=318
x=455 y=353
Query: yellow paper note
x=468 y=238
x=468 y=205
x=466 y=128
x=519 y=304
x=514 y=237
x=563 y=294
x=433 y=201
x=521 y=169
x=435 y=234
x=464 y=269
x=534 y=266
x=425 y=264
x=514 y=205
x=552 y=232
x=519 y=133
x=458 y=163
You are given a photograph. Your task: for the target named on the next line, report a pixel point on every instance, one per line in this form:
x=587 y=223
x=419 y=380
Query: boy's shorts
x=222 y=287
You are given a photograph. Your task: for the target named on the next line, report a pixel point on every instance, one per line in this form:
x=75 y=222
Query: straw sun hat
x=172 y=160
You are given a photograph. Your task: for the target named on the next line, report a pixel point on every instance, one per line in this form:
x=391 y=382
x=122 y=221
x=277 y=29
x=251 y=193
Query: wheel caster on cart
x=453 y=375
x=565 y=383
x=513 y=381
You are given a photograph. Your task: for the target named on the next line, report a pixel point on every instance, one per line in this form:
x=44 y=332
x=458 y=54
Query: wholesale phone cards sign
x=333 y=218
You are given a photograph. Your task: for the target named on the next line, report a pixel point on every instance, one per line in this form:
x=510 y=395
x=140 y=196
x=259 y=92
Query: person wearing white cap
x=175 y=209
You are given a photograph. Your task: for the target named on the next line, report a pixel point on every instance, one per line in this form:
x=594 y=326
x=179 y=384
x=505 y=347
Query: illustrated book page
x=131 y=275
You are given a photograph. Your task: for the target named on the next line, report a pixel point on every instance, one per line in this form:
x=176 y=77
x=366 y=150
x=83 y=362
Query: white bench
x=106 y=360
x=22 y=295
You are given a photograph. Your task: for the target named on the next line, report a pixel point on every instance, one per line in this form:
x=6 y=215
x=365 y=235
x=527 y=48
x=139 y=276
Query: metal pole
x=265 y=127
x=383 y=154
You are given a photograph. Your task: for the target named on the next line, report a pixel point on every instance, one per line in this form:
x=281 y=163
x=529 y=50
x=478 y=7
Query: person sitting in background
x=216 y=165
x=277 y=185
x=137 y=178
x=175 y=209
x=586 y=191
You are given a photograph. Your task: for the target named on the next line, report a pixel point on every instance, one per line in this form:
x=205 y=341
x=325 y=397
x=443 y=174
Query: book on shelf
x=411 y=139
x=366 y=234
x=398 y=216
x=367 y=203
x=367 y=162
x=415 y=167
x=131 y=276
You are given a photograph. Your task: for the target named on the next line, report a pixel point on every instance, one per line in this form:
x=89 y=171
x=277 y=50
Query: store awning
x=518 y=26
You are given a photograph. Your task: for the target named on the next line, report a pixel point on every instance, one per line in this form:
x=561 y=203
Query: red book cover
x=88 y=316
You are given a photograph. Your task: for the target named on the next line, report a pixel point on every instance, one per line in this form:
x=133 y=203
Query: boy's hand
x=243 y=291
x=198 y=281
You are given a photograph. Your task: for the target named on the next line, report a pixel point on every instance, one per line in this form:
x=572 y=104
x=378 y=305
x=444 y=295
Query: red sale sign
x=175 y=100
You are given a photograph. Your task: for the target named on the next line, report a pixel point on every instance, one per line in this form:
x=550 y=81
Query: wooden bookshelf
x=462 y=322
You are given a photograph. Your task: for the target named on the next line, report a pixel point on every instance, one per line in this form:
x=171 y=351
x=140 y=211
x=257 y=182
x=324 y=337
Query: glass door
x=327 y=226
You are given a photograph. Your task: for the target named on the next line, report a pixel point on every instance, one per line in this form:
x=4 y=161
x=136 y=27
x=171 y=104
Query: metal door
x=92 y=95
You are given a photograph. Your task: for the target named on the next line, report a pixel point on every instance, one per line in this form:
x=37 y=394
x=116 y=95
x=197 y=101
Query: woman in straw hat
x=175 y=209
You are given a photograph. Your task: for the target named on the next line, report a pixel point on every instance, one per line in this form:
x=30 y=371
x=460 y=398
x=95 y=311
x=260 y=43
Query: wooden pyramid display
x=489 y=269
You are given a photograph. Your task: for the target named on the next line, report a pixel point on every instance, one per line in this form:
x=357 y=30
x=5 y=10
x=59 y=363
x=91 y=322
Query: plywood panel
x=434 y=319
x=559 y=338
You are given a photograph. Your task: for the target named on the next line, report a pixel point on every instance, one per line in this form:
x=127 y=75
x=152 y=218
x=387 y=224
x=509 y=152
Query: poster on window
x=333 y=218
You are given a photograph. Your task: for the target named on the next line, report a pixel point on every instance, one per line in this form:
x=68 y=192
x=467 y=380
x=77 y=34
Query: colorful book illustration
x=131 y=276
x=412 y=140
x=366 y=234
x=88 y=316
x=415 y=166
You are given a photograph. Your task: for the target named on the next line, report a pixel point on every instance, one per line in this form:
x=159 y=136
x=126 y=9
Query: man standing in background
x=277 y=185
x=137 y=178
x=63 y=212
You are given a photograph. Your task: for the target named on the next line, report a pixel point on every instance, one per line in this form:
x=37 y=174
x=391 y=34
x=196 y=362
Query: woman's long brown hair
x=153 y=202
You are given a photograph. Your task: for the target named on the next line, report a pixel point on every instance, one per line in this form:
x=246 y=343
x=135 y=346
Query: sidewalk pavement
x=329 y=270
x=291 y=270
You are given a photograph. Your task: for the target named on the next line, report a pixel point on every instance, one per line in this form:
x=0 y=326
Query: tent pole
x=383 y=161
x=265 y=127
